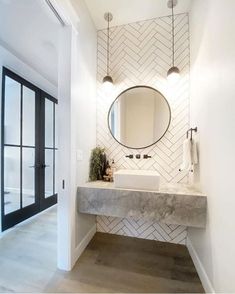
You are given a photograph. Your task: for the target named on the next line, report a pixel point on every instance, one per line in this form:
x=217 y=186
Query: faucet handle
x=147 y=156
x=130 y=156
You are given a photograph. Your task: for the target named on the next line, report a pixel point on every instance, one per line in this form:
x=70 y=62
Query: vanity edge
x=180 y=208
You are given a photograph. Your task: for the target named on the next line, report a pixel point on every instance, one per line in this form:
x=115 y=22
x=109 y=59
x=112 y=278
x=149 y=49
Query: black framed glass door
x=48 y=152
x=28 y=169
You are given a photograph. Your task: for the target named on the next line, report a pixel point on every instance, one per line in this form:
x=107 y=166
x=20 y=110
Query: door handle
x=45 y=165
x=39 y=166
x=35 y=166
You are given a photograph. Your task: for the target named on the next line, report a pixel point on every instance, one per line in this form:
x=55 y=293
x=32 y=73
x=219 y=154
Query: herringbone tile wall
x=141 y=54
x=142 y=229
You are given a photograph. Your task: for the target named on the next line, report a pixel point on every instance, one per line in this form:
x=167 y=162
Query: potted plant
x=97 y=164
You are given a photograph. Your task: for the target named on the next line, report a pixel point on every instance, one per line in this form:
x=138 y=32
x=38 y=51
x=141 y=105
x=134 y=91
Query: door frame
x=41 y=203
x=51 y=200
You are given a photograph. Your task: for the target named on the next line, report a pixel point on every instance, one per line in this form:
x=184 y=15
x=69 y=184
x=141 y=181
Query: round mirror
x=139 y=117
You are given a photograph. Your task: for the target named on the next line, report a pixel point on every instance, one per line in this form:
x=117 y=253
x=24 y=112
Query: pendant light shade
x=108 y=83
x=107 y=80
x=173 y=73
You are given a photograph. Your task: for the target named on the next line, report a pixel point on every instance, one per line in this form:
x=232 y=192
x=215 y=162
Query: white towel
x=190 y=157
x=194 y=157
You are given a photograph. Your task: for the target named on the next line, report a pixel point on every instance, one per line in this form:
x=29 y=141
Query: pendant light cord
x=173 y=33
x=108 y=46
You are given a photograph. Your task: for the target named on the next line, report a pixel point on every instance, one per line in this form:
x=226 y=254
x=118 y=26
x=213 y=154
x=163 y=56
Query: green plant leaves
x=97 y=164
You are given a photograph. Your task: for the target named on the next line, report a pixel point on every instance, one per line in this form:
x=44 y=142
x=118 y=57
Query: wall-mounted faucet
x=138 y=156
x=145 y=156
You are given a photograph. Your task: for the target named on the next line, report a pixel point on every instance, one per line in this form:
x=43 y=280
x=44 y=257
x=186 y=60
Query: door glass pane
x=48 y=172
x=28 y=117
x=49 y=122
x=28 y=176
x=55 y=176
x=56 y=129
x=12 y=112
x=11 y=179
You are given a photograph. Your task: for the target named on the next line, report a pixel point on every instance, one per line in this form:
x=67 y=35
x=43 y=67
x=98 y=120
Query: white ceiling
x=127 y=11
x=30 y=31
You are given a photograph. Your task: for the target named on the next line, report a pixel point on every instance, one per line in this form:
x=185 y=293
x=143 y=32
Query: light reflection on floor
x=12 y=200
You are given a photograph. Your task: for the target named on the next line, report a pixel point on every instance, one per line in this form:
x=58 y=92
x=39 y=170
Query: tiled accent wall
x=141 y=54
x=142 y=229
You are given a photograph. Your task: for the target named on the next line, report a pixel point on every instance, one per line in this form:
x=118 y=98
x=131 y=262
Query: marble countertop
x=172 y=204
x=166 y=188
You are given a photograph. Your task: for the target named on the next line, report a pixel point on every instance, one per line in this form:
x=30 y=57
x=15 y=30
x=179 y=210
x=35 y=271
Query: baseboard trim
x=200 y=268
x=83 y=244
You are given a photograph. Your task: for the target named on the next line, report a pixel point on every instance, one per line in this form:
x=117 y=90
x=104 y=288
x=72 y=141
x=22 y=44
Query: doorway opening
x=29 y=146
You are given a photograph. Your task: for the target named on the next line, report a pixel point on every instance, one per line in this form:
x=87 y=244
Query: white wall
x=212 y=25
x=14 y=63
x=84 y=106
x=30 y=30
x=77 y=93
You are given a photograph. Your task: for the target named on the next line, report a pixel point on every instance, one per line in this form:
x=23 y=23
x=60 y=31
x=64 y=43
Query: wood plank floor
x=110 y=263
x=114 y=263
x=28 y=254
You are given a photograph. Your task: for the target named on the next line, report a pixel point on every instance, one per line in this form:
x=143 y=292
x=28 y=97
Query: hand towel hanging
x=190 y=157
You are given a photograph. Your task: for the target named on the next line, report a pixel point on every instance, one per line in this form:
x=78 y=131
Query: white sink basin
x=137 y=179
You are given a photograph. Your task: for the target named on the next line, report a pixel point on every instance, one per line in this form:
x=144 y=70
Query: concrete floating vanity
x=172 y=204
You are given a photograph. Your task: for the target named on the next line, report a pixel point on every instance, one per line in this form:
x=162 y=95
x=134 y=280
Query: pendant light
x=107 y=80
x=173 y=73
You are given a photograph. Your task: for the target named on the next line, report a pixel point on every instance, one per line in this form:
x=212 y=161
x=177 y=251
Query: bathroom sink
x=137 y=179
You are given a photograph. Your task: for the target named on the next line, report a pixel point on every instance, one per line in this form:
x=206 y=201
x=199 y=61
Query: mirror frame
x=134 y=87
